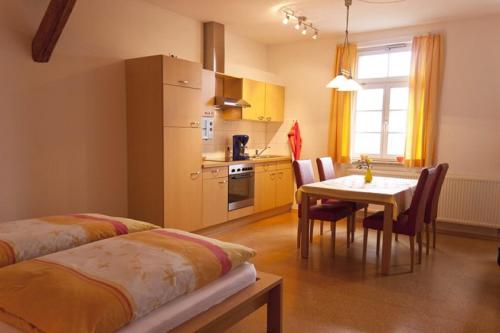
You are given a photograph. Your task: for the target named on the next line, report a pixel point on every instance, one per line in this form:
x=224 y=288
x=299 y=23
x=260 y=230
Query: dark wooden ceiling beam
x=50 y=29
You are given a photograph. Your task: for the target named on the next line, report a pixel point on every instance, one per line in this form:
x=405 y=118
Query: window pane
x=399 y=98
x=367 y=143
x=396 y=144
x=372 y=66
x=370 y=121
x=370 y=99
x=399 y=63
x=397 y=121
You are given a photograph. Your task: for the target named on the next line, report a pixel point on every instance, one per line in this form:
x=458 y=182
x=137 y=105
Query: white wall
x=62 y=124
x=469 y=136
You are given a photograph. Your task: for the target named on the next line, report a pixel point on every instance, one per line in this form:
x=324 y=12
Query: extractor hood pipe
x=213 y=47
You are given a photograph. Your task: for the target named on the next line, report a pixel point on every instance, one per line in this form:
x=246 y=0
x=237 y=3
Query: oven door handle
x=242 y=176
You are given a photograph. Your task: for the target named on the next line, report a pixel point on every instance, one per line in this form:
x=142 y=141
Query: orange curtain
x=339 y=136
x=425 y=80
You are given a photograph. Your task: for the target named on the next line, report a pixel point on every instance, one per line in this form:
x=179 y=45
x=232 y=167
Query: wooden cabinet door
x=275 y=102
x=181 y=72
x=284 y=187
x=181 y=106
x=265 y=191
x=182 y=178
x=254 y=92
x=214 y=201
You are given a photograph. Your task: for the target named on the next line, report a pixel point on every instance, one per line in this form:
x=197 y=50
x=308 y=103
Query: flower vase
x=368 y=176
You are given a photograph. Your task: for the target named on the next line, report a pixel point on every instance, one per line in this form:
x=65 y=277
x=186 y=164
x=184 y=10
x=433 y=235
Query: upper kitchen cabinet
x=179 y=72
x=245 y=99
x=254 y=93
x=181 y=106
x=275 y=102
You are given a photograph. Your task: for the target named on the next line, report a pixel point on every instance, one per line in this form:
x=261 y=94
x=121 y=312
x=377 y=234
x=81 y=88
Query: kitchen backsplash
x=274 y=135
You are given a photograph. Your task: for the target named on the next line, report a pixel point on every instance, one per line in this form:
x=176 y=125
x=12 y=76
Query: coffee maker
x=239 y=145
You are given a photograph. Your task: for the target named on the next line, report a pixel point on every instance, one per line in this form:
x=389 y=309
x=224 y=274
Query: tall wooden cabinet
x=164 y=141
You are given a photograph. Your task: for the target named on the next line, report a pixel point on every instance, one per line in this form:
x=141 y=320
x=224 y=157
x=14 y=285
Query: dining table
x=394 y=194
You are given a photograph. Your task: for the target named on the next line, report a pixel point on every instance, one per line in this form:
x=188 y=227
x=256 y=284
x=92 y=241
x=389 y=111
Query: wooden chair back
x=433 y=200
x=416 y=212
x=326 y=169
x=304 y=173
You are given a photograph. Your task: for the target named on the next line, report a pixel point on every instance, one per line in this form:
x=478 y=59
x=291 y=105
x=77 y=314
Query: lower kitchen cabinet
x=273 y=186
x=265 y=191
x=214 y=201
x=284 y=187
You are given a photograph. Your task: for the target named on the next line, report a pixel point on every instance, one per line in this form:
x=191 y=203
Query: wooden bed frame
x=268 y=289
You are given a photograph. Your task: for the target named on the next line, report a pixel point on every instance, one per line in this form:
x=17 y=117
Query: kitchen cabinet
x=254 y=92
x=284 y=187
x=183 y=178
x=179 y=72
x=215 y=182
x=265 y=191
x=164 y=141
x=267 y=100
x=181 y=106
x=273 y=186
x=275 y=102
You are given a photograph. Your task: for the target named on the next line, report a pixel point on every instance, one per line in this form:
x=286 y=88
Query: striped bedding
x=103 y=286
x=26 y=239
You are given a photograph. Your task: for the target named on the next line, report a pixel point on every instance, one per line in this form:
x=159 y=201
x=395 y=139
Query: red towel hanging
x=295 y=140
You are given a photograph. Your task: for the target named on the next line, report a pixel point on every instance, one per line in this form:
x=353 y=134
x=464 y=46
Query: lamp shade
x=339 y=81
x=350 y=85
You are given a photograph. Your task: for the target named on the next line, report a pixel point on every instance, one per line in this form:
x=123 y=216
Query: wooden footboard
x=268 y=289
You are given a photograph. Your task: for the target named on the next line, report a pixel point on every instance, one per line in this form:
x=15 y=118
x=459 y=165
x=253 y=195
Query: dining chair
x=409 y=222
x=304 y=175
x=432 y=205
x=326 y=171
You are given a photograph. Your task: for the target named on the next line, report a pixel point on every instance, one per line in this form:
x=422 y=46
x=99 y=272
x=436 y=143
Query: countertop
x=211 y=164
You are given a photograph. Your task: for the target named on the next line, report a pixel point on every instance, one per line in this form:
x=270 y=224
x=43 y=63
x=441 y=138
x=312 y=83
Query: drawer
x=283 y=165
x=264 y=167
x=180 y=72
x=217 y=172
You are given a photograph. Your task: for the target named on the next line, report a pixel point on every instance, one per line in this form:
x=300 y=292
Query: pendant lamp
x=344 y=81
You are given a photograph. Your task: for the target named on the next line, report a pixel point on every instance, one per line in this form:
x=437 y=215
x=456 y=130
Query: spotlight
x=297 y=26
x=304 y=31
x=286 y=19
x=315 y=36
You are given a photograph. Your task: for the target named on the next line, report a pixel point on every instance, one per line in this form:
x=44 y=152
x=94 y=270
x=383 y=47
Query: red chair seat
x=400 y=226
x=328 y=212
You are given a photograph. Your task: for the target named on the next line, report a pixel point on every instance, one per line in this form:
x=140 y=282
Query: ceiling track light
x=301 y=24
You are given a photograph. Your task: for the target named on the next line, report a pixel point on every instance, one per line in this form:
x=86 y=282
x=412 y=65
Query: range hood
x=228 y=90
x=222 y=102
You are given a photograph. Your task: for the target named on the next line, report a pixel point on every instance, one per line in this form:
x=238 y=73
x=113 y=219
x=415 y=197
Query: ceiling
x=261 y=19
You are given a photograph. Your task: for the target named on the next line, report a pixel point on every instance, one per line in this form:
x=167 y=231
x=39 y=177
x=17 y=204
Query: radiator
x=463 y=200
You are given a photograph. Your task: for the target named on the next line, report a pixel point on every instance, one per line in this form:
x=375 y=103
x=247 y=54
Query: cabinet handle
x=183 y=81
x=195 y=124
x=195 y=174
x=261 y=118
x=215 y=171
x=223 y=182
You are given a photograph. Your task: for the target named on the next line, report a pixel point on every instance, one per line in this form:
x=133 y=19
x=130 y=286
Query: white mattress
x=185 y=307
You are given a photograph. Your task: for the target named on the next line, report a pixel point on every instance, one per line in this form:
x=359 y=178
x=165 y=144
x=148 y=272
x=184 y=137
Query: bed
x=27 y=239
x=152 y=281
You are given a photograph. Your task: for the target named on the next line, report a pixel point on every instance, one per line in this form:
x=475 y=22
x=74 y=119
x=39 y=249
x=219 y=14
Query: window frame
x=385 y=83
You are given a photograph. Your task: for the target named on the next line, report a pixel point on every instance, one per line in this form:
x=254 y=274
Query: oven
x=241 y=186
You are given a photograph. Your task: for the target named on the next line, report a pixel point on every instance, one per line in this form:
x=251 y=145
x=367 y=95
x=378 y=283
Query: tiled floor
x=455 y=289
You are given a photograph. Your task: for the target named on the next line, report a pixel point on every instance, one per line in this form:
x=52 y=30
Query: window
x=380 y=109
